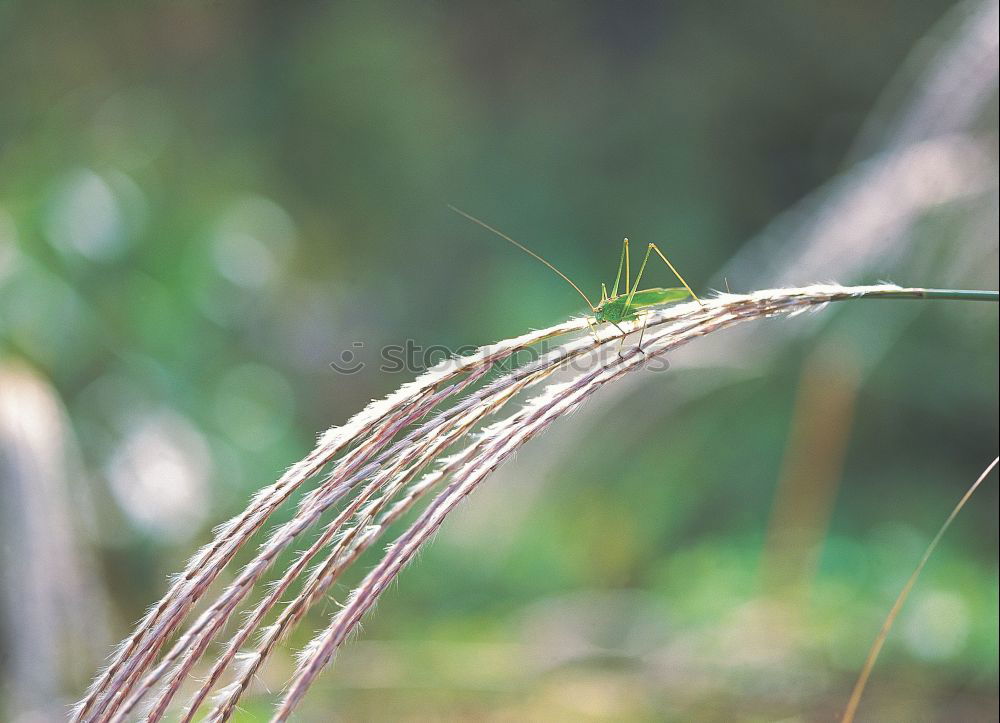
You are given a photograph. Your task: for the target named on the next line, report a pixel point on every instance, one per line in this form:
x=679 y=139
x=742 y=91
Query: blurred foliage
x=203 y=204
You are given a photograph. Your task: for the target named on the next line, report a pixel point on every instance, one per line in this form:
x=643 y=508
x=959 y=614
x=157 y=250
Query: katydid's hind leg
x=649 y=249
x=638 y=276
x=654 y=247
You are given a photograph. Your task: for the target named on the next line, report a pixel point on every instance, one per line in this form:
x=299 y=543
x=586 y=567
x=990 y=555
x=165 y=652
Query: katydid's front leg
x=622 y=262
x=593 y=331
x=628 y=262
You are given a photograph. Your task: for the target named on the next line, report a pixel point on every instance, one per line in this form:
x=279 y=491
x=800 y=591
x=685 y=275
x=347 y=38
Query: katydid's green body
x=615 y=308
x=625 y=307
x=619 y=309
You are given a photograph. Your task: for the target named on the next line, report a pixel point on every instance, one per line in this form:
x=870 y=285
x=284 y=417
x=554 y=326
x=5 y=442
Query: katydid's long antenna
x=526 y=250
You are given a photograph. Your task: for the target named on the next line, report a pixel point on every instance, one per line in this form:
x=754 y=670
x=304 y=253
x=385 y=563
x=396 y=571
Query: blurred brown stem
x=859 y=687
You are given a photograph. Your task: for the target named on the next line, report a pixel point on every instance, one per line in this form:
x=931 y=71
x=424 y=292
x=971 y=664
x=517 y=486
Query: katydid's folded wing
x=649 y=297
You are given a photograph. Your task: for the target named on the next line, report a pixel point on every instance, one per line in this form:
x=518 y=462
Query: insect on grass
x=615 y=307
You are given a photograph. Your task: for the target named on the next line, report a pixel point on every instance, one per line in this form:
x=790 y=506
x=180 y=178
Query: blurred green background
x=204 y=204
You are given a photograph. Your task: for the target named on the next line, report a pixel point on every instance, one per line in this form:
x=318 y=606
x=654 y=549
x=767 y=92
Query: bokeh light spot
x=937 y=625
x=159 y=475
x=252 y=241
x=85 y=215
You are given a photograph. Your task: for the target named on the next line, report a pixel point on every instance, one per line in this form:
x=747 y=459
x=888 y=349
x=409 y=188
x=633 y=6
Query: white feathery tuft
x=382 y=463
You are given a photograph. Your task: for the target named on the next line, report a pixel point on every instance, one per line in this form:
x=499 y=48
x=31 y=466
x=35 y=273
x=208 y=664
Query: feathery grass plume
x=380 y=468
x=155 y=628
x=197 y=638
x=133 y=655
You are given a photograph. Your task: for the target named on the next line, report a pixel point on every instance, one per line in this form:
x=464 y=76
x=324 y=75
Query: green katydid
x=614 y=308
